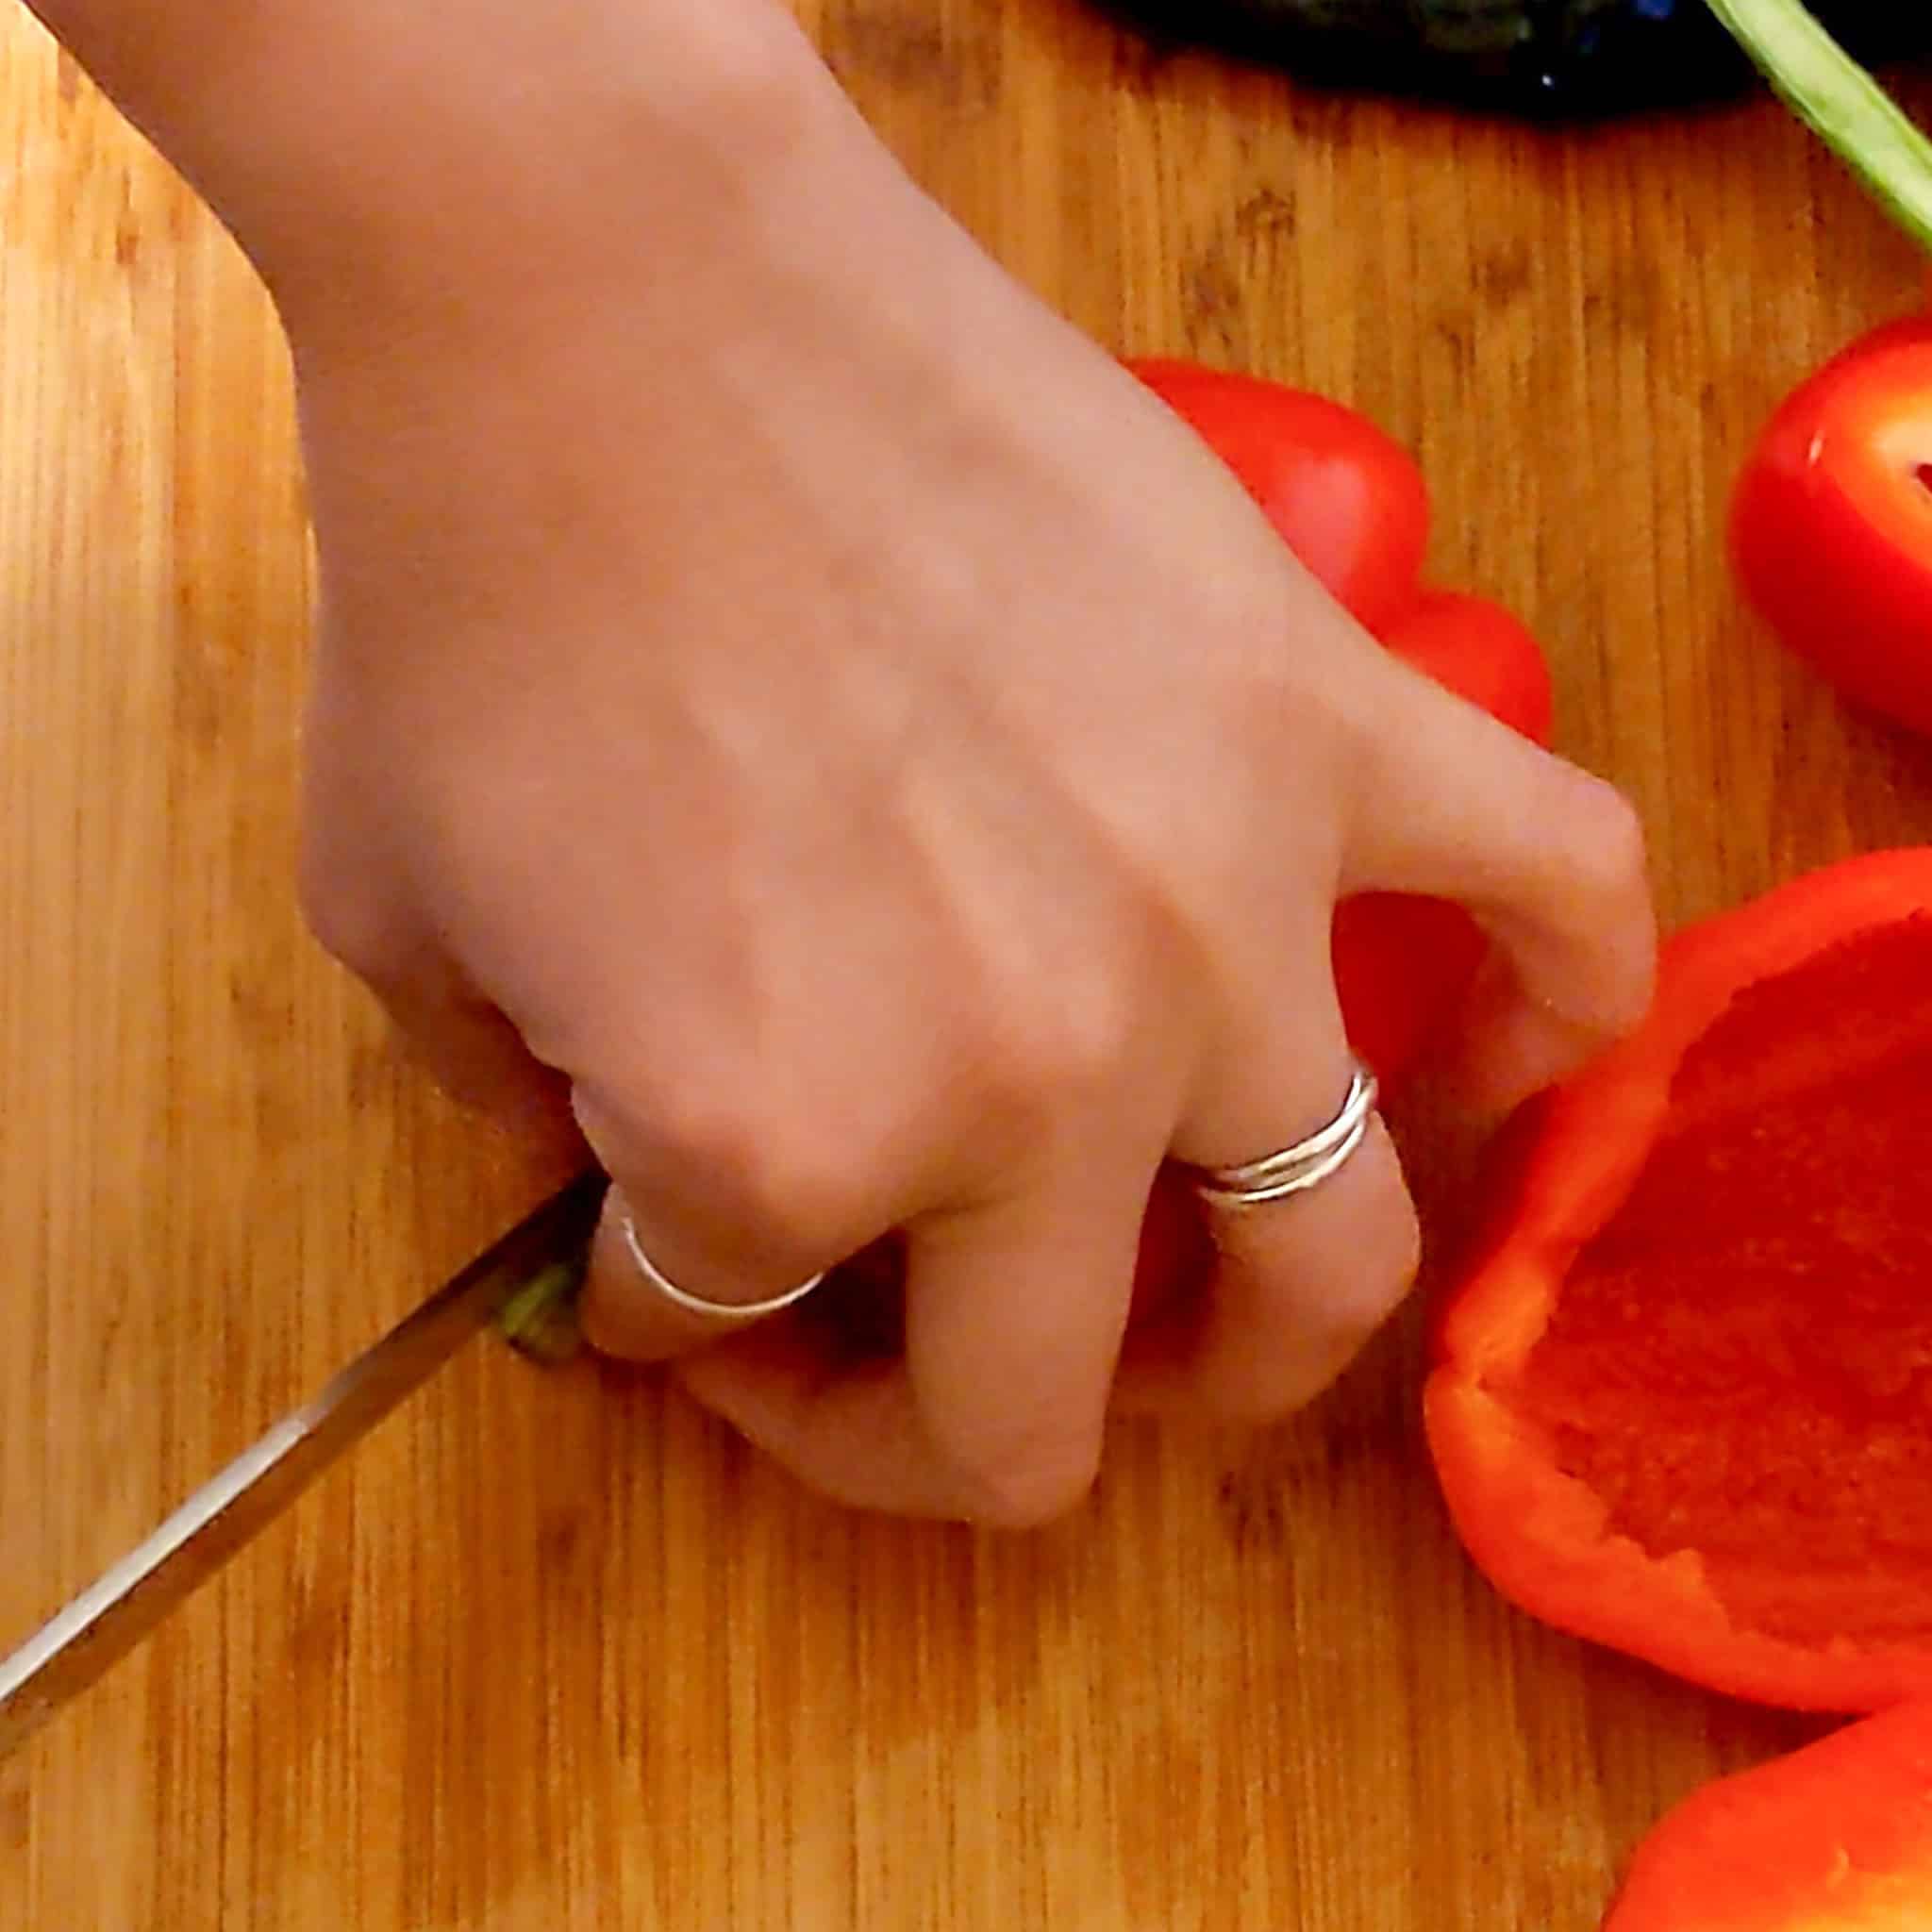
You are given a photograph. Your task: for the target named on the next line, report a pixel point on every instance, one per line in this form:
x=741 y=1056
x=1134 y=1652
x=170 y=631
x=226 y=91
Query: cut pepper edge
x=1539 y=1534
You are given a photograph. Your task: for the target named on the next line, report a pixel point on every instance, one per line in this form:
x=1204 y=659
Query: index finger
x=1014 y=1320
x=1548 y=860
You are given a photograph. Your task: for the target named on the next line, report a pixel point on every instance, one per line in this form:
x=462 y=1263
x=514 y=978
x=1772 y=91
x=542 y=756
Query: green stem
x=1848 y=111
x=540 y=1320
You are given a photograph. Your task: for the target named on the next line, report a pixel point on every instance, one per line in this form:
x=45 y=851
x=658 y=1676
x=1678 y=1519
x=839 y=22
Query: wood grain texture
x=553 y=1652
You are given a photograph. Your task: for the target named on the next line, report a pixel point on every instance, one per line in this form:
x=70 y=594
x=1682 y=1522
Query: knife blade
x=528 y=1269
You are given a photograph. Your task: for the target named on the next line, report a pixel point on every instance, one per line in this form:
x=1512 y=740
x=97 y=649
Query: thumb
x=1549 y=861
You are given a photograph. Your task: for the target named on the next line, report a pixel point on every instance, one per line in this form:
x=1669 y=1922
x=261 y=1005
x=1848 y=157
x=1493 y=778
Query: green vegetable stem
x=1854 y=117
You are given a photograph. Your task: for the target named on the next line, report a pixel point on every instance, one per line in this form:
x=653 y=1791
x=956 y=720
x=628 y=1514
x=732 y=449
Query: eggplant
x=1555 y=59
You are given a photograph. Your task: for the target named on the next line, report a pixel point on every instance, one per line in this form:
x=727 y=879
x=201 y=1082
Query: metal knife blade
x=70 y=1651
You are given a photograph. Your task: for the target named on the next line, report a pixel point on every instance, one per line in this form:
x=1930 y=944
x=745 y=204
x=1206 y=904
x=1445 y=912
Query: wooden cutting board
x=553 y=1652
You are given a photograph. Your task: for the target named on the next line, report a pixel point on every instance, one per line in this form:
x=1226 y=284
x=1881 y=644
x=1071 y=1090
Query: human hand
x=805 y=709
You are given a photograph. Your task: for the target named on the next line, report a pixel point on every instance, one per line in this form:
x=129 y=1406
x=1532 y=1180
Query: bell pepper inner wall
x=1740 y=1363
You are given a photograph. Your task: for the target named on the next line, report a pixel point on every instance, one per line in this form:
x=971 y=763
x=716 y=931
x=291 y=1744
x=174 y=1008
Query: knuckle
x=344 y=914
x=1606 y=839
x=1258 y=1392
x=1608 y=867
x=1391 y=1271
x=762 y=1165
x=1055 y=1050
x=1391 y=1251
x=1338 y=1316
x=1026 y=1486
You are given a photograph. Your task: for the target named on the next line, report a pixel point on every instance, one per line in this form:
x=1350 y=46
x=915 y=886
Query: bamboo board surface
x=552 y=1652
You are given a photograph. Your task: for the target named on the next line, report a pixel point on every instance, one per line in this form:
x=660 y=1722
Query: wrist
x=375 y=158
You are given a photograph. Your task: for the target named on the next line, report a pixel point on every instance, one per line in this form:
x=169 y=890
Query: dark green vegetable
x=541 y=1319
x=1544 y=57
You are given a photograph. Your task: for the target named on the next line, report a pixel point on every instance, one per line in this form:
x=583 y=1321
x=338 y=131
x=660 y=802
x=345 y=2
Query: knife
x=519 y=1285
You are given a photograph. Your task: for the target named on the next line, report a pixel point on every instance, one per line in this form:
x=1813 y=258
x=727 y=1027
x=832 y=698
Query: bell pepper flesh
x=1681 y=1404
x=1835 y=1838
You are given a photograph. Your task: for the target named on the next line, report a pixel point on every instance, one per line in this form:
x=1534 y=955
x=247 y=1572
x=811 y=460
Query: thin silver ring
x=697 y=1304
x=1296 y=1169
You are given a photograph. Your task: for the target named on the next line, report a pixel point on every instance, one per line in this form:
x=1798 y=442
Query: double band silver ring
x=1294 y=1169
x=697 y=1304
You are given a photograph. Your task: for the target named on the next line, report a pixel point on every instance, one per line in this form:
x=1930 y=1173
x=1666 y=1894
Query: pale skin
x=787 y=702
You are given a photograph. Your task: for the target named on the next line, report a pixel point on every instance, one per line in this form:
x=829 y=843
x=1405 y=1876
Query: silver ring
x=697 y=1304
x=1294 y=1169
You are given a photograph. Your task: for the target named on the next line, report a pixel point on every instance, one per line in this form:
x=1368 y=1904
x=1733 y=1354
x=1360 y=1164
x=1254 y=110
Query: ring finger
x=1298 y=1283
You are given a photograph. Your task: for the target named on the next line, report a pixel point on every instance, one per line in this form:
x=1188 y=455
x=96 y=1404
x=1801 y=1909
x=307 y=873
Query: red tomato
x=1481 y=652
x=1831 y=522
x=1344 y=495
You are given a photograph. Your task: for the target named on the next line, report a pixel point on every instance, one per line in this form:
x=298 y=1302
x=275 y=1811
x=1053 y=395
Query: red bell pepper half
x=1835 y=1838
x=1350 y=503
x=1679 y=1404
